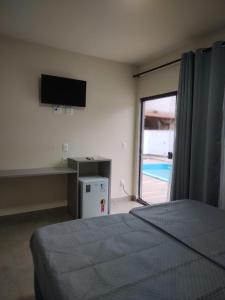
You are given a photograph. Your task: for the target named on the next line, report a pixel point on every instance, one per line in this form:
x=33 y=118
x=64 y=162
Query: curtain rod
x=168 y=64
x=157 y=68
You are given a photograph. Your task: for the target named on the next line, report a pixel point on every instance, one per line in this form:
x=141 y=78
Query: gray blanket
x=199 y=226
x=120 y=257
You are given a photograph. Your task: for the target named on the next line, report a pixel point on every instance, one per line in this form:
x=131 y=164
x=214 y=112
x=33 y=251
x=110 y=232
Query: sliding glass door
x=156 y=147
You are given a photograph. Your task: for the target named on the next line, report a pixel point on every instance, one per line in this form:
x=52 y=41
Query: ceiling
x=129 y=31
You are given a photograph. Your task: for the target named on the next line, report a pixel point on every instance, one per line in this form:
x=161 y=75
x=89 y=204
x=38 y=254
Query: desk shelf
x=35 y=172
x=8 y=175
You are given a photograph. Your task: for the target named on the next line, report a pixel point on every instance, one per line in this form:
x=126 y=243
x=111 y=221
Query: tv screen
x=63 y=91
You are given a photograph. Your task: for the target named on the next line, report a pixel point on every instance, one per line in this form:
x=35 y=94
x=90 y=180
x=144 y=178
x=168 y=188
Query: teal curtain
x=197 y=159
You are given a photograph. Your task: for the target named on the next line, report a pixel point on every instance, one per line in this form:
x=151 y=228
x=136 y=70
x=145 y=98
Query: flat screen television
x=63 y=91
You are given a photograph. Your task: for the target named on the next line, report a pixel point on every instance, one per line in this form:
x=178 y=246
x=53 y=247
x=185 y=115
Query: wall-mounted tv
x=63 y=91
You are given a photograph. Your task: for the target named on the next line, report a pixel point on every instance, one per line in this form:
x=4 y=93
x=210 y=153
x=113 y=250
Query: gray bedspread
x=120 y=257
x=197 y=225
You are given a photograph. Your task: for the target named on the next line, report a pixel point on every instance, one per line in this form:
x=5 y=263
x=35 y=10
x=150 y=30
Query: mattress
x=126 y=256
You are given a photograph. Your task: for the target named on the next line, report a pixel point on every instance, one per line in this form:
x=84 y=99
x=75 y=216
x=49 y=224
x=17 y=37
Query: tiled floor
x=123 y=205
x=16 y=267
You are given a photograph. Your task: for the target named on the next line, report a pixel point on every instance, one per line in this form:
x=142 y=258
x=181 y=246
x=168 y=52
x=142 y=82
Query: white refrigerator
x=93 y=196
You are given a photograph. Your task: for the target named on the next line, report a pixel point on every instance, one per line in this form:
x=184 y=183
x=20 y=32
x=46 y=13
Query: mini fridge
x=93 y=196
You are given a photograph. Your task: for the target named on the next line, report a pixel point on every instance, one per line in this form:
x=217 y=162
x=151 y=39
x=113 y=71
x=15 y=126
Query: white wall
x=32 y=135
x=158 y=142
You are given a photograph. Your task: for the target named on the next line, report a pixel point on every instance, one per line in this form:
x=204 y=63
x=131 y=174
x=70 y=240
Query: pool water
x=160 y=171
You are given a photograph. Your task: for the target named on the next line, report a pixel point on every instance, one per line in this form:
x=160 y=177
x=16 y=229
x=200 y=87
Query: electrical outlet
x=65 y=150
x=124 y=145
x=122 y=183
x=65 y=147
x=57 y=110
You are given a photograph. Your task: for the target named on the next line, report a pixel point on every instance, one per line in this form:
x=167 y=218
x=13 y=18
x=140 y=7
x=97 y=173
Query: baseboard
x=31 y=208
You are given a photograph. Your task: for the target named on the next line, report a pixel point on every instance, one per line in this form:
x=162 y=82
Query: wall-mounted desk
x=78 y=166
x=71 y=182
x=35 y=172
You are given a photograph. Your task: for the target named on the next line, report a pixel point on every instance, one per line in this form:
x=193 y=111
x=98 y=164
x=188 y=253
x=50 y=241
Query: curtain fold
x=182 y=147
x=197 y=165
x=222 y=171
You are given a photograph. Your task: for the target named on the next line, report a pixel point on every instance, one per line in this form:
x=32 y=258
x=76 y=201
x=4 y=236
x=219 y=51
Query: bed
x=169 y=251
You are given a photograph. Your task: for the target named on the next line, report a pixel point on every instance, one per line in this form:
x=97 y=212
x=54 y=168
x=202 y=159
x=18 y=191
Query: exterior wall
x=158 y=142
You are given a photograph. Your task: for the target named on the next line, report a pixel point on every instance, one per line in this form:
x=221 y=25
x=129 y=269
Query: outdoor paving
x=154 y=190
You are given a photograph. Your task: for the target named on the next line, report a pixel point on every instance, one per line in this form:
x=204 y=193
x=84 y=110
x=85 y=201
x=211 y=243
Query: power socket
x=65 y=147
x=57 y=110
x=122 y=183
x=65 y=150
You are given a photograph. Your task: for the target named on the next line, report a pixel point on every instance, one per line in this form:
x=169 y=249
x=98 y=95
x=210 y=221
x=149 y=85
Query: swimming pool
x=160 y=171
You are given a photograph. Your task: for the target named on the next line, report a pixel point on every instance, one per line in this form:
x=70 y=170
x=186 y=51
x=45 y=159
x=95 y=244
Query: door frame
x=142 y=100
